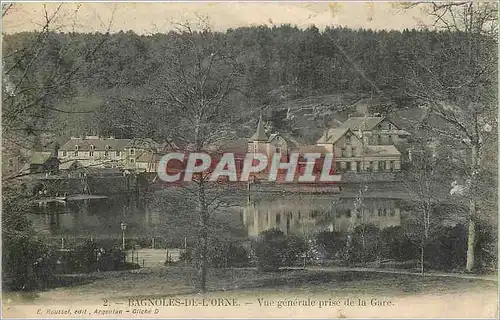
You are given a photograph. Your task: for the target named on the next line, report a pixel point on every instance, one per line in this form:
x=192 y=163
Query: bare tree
x=457 y=88
x=197 y=92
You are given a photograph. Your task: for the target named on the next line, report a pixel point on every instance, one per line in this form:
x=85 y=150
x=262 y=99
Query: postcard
x=250 y=160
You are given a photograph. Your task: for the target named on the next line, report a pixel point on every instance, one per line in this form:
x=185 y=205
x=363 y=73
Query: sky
x=159 y=17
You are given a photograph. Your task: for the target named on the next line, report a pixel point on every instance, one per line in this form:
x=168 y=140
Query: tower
x=258 y=142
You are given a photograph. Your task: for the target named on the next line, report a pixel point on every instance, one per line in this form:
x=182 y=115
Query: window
x=91 y=153
x=277 y=150
x=391 y=165
x=347 y=139
x=77 y=147
x=117 y=153
x=370 y=166
x=107 y=147
x=379 y=213
x=358 y=166
x=353 y=151
x=106 y=154
x=348 y=165
x=298 y=216
x=132 y=151
x=384 y=212
x=344 y=153
x=381 y=165
x=392 y=212
x=92 y=147
x=64 y=153
x=358 y=214
x=131 y=160
x=278 y=219
x=76 y=153
x=348 y=213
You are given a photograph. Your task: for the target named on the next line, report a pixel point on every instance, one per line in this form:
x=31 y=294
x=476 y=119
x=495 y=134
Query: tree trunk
x=471 y=237
x=203 y=241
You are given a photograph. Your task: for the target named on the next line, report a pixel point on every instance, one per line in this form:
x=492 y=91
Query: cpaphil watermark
x=292 y=167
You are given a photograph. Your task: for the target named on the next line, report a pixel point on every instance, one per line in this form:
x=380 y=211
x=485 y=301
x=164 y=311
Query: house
x=351 y=153
x=94 y=151
x=375 y=130
x=41 y=162
x=260 y=142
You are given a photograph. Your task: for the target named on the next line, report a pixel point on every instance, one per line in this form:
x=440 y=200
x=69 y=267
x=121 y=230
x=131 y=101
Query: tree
x=456 y=84
x=197 y=91
x=37 y=71
x=423 y=184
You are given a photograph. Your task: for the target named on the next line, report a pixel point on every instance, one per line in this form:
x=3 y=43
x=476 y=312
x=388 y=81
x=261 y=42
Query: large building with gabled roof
x=364 y=144
x=99 y=152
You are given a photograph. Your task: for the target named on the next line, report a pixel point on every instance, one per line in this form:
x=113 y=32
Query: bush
x=396 y=245
x=274 y=249
x=269 y=250
x=448 y=250
x=330 y=244
x=364 y=244
x=26 y=264
x=221 y=254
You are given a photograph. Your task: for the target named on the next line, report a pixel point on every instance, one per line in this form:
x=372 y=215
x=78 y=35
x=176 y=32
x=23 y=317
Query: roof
x=310 y=149
x=272 y=136
x=98 y=143
x=363 y=123
x=332 y=135
x=382 y=150
x=148 y=157
x=40 y=157
x=143 y=143
x=260 y=133
x=66 y=165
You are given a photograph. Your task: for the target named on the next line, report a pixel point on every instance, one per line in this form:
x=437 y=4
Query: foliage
x=276 y=64
x=365 y=244
x=26 y=264
x=274 y=249
x=395 y=244
x=330 y=243
x=221 y=254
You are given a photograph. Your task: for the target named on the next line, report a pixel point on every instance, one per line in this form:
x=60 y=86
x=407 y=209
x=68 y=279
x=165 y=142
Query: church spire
x=260 y=134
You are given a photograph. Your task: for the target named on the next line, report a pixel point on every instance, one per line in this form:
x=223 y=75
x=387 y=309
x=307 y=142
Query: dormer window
x=347 y=139
x=92 y=147
x=132 y=151
x=107 y=147
x=77 y=147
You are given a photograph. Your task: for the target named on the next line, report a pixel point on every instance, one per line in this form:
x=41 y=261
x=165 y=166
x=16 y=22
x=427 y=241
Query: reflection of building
x=308 y=214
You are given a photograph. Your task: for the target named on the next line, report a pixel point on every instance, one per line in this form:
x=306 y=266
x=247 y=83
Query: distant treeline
x=278 y=64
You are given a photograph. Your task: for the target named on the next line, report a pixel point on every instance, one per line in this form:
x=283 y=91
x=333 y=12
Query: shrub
x=26 y=264
x=330 y=244
x=396 y=245
x=364 y=243
x=295 y=248
x=269 y=250
x=221 y=254
x=274 y=249
x=448 y=250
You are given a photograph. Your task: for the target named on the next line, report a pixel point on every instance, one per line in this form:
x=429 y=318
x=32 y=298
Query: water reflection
x=309 y=214
x=298 y=214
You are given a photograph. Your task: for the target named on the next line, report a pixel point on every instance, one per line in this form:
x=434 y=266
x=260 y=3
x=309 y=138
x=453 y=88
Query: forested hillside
x=116 y=78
